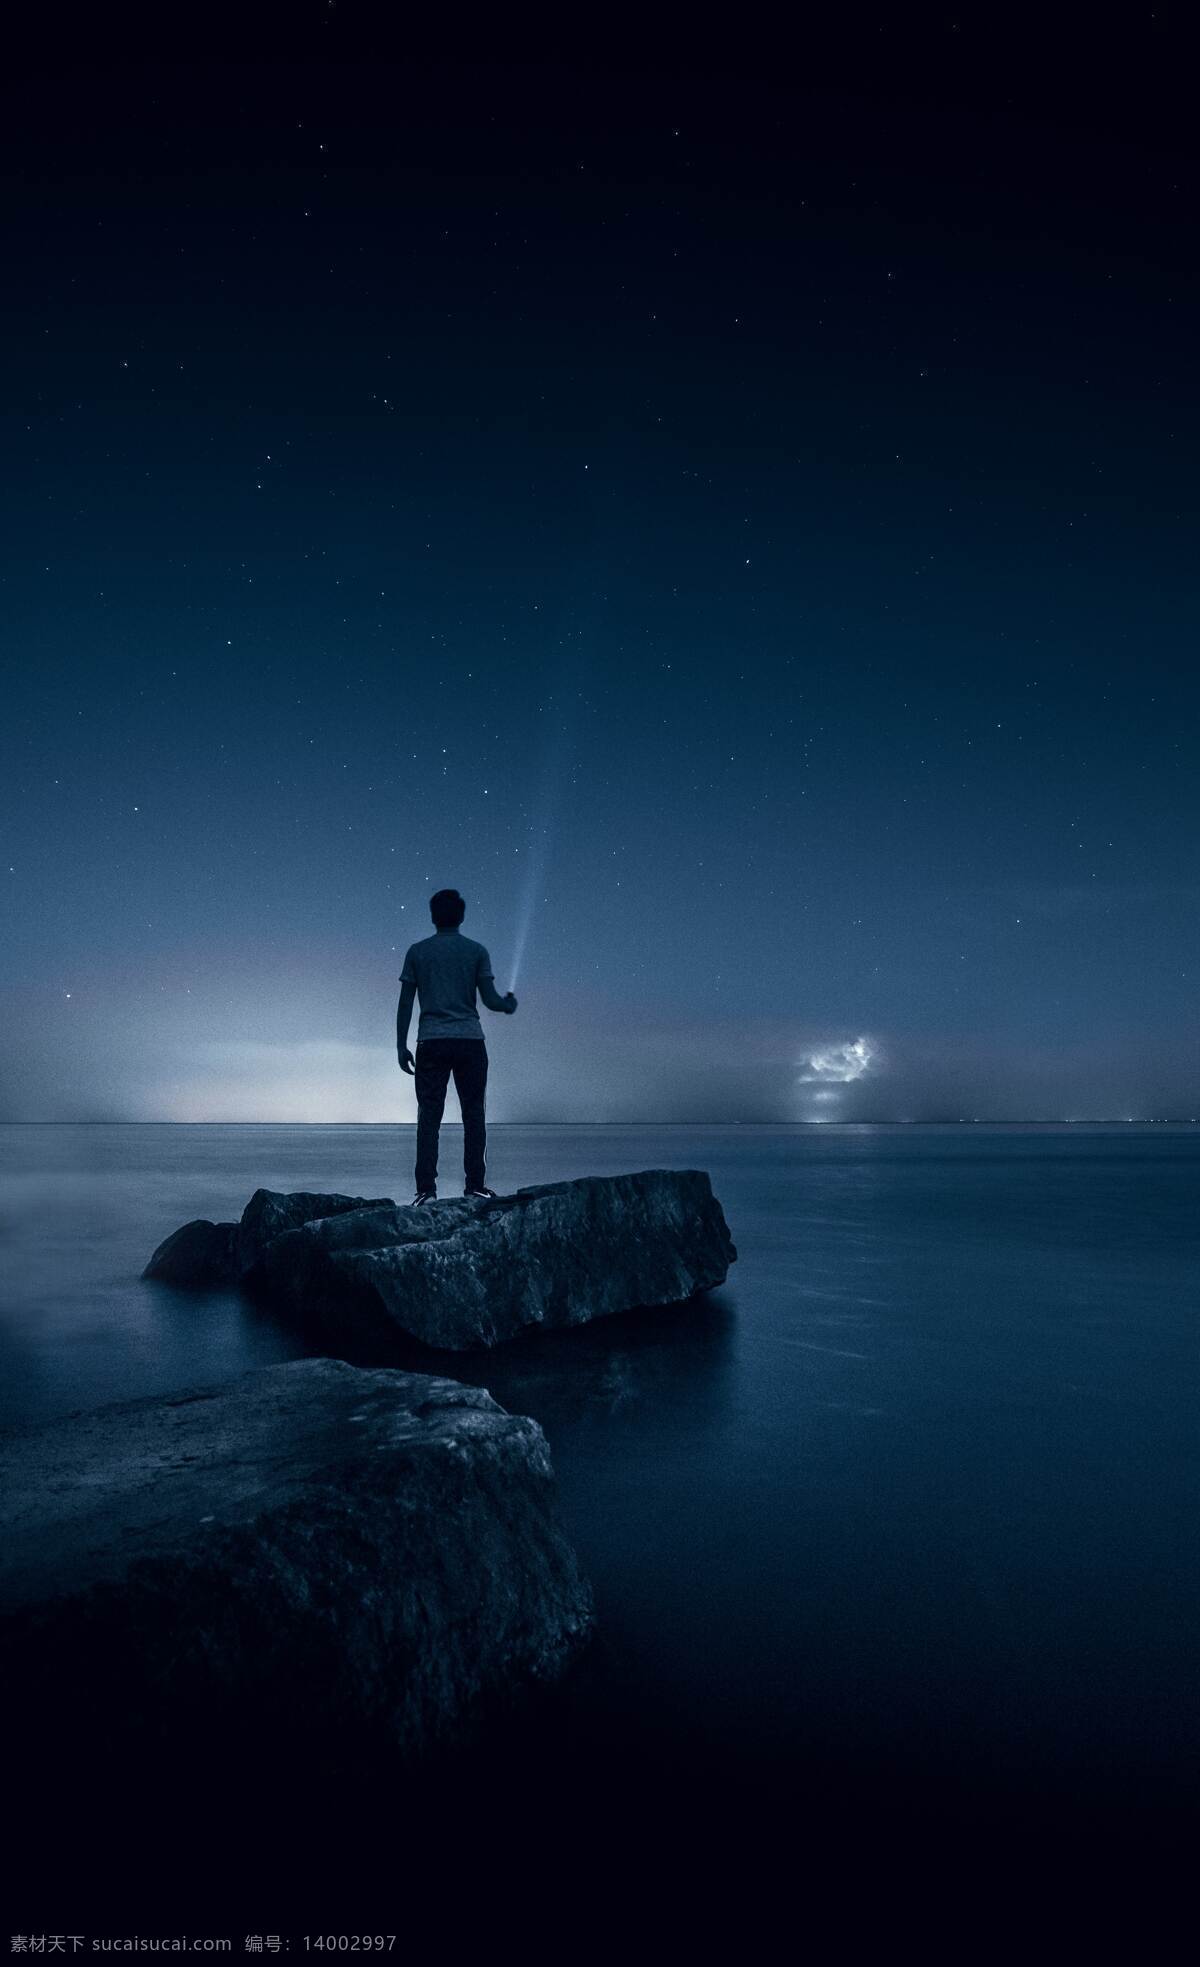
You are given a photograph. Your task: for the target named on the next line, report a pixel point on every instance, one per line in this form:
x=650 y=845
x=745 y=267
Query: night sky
x=732 y=511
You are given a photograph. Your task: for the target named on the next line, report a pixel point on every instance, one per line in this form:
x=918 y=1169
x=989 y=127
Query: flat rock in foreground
x=309 y=1550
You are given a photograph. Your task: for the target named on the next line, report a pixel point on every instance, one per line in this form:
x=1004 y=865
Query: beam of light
x=564 y=700
x=535 y=875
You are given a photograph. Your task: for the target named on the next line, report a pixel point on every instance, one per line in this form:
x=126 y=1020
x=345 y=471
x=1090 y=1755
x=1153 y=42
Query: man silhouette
x=445 y=971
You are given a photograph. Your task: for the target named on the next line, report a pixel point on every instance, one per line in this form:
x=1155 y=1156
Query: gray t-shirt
x=446 y=968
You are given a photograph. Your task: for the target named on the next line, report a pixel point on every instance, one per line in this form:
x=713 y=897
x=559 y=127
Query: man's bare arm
x=408 y=993
x=492 y=998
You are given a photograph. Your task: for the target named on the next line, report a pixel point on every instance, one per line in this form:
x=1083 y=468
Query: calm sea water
x=899 y=1524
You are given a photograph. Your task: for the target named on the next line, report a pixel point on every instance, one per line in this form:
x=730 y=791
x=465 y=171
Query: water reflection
x=673 y=1359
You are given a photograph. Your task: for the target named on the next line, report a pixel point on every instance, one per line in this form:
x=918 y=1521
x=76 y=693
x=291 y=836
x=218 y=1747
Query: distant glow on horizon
x=321 y=1080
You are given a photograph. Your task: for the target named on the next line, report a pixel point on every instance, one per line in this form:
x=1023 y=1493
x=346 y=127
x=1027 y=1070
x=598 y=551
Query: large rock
x=307 y=1550
x=460 y=1274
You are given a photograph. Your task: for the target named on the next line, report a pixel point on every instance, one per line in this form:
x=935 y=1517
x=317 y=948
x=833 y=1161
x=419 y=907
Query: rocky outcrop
x=204 y=1253
x=268 y=1215
x=311 y=1550
x=201 y=1254
x=459 y=1274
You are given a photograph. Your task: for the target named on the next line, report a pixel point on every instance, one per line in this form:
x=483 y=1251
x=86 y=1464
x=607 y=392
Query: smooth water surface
x=904 y=1514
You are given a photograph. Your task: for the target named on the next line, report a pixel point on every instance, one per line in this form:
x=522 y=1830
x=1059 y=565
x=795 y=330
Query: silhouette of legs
x=432 y=1075
x=435 y=1060
x=470 y=1083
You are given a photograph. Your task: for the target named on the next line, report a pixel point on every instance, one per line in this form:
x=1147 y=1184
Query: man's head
x=447 y=908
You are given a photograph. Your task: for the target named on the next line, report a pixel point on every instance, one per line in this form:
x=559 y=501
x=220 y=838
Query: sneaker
x=479 y=1195
x=424 y=1195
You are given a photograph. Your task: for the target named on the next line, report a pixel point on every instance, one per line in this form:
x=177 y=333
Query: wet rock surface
x=203 y=1253
x=459 y=1274
x=311 y=1551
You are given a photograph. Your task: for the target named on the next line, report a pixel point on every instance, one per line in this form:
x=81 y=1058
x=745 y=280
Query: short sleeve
x=483 y=969
x=408 y=974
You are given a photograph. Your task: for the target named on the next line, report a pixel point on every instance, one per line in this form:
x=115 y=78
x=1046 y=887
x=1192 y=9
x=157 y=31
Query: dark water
x=893 y=1538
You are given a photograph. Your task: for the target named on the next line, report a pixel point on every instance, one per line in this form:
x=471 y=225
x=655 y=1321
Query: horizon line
x=981 y=1120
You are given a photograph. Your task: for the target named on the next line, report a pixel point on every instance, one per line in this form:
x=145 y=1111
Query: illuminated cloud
x=838 y=1065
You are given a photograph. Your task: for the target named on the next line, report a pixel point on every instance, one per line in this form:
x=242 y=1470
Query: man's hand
x=510 y=1003
x=406 y=1060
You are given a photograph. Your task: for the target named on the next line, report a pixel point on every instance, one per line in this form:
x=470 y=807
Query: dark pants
x=436 y=1059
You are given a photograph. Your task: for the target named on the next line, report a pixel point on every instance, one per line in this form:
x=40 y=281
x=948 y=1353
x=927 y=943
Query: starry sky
x=731 y=513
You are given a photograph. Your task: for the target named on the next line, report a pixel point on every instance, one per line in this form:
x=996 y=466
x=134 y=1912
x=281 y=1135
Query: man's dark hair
x=447 y=908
